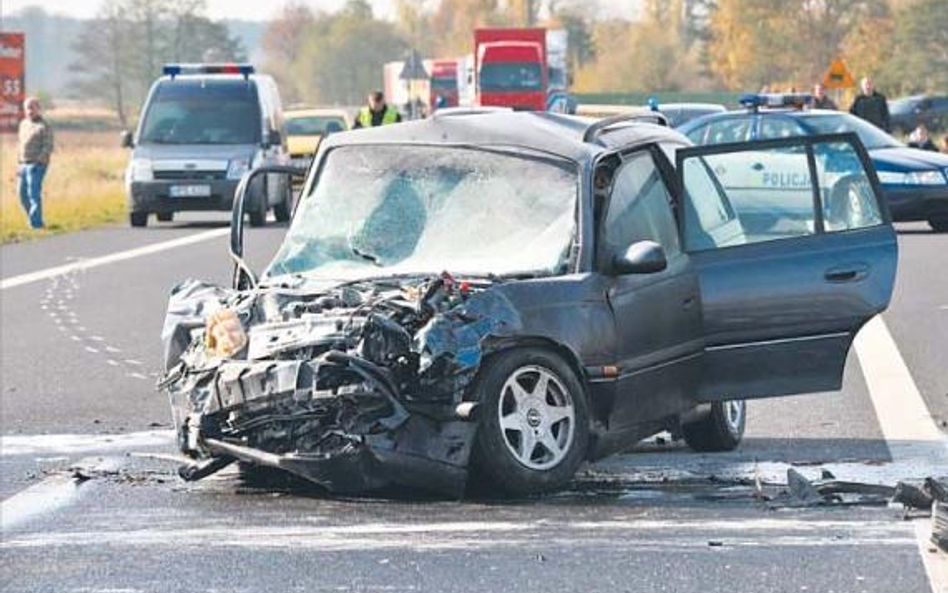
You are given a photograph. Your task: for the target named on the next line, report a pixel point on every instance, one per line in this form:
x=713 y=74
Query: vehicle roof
x=191 y=77
x=788 y=112
x=716 y=106
x=540 y=131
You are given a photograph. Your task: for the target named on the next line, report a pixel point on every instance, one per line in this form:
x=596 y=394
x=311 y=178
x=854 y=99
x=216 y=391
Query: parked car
x=676 y=113
x=914 y=182
x=505 y=295
x=202 y=127
x=907 y=113
x=305 y=128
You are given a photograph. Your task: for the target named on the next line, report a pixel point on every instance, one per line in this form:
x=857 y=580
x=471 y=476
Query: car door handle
x=847 y=273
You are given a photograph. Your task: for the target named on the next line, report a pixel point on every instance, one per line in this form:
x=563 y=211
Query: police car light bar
x=173 y=70
x=755 y=101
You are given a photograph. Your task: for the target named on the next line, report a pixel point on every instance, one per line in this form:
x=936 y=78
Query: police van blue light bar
x=173 y=70
x=776 y=100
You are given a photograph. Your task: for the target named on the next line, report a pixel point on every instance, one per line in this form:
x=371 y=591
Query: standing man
x=871 y=105
x=821 y=100
x=377 y=113
x=36 y=146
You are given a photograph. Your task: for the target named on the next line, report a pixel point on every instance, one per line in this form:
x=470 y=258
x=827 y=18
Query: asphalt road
x=89 y=503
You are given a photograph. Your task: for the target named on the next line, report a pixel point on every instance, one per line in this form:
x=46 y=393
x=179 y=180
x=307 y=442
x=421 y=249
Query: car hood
x=303 y=145
x=901 y=159
x=195 y=152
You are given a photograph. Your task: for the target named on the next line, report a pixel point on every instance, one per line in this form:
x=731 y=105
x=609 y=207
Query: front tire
x=533 y=428
x=138 y=219
x=284 y=209
x=939 y=225
x=716 y=427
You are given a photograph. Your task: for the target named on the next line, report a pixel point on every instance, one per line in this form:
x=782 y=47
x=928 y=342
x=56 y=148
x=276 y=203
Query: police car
x=914 y=182
x=202 y=127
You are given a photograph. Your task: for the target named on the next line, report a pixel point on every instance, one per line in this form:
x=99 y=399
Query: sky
x=234 y=9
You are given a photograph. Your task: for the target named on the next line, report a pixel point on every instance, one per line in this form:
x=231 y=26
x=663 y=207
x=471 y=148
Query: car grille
x=193 y=175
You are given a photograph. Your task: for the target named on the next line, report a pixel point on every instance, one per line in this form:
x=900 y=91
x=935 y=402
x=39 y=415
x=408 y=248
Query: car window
x=640 y=207
x=849 y=202
x=735 y=129
x=772 y=128
x=767 y=191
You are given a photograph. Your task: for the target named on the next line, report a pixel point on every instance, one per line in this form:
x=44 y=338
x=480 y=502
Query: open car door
x=794 y=249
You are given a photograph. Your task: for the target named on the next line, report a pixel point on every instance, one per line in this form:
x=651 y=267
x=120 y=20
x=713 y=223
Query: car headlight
x=140 y=170
x=224 y=335
x=912 y=178
x=237 y=167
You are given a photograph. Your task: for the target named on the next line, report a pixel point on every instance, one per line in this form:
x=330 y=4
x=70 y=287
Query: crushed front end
x=355 y=387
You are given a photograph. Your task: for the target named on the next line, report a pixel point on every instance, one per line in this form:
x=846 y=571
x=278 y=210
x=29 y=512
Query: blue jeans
x=30 y=181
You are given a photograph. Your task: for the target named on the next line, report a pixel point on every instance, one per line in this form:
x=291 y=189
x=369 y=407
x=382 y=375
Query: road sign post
x=12 y=80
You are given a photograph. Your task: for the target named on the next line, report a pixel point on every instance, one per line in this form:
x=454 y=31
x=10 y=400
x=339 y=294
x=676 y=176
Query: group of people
x=872 y=106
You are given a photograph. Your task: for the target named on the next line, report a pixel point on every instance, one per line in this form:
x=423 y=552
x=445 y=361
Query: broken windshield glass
x=411 y=209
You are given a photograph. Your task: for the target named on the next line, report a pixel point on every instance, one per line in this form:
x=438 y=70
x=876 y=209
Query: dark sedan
x=907 y=113
x=914 y=182
x=505 y=295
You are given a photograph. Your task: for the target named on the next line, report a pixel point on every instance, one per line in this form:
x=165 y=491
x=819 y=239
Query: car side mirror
x=273 y=138
x=127 y=140
x=644 y=257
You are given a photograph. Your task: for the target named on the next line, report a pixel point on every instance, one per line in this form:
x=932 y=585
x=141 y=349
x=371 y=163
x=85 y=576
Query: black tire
x=138 y=219
x=258 y=215
x=284 y=209
x=713 y=428
x=939 y=225
x=493 y=458
x=165 y=216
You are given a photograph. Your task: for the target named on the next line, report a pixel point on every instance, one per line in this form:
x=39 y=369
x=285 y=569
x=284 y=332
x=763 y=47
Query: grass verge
x=83 y=186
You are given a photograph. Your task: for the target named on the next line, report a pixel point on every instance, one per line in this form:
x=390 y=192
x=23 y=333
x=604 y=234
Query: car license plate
x=190 y=191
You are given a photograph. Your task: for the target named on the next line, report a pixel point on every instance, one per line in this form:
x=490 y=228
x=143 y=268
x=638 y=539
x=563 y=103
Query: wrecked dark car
x=497 y=297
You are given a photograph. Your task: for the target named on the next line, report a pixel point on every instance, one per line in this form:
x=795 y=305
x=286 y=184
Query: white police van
x=202 y=127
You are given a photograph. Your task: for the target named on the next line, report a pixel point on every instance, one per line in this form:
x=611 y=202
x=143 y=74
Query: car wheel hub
x=537 y=417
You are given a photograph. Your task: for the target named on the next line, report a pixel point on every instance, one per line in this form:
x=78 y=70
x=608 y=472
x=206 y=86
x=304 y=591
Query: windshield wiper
x=366 y=256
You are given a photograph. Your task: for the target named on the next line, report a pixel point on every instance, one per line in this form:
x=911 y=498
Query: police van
x=202 y=127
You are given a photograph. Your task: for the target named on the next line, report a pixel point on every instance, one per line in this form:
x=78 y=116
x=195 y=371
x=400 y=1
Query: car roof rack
x=597 y=128
x=456 y=111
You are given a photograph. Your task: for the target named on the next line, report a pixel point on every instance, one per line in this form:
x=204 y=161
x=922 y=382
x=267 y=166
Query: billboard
x=12 y=80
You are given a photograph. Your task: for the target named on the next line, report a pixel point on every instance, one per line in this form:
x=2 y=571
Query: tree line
x=668 y=45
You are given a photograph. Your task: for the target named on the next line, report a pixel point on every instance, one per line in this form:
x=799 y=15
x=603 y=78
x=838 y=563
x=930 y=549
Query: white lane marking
x=935 y=561
x=95 y=262
x=649 y=535
x=907 y=425
x=52 y=493
x=47 y=444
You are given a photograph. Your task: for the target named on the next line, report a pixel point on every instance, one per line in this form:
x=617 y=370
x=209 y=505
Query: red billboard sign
x=12 y=80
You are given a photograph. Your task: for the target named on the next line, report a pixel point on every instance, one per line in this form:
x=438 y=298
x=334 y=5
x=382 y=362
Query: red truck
x=444 y=83
x=510 y=68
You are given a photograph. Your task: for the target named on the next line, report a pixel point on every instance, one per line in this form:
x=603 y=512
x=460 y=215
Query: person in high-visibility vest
x=377 y=113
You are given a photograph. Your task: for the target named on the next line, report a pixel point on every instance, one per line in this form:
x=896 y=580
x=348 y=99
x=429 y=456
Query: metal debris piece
x=940 y=524
x=912 y=497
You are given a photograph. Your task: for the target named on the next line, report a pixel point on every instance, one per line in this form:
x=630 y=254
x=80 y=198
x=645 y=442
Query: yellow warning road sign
x=838 y=76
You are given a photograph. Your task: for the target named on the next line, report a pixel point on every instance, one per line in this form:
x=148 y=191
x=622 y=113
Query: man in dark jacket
x=871 y=105
x=821 y=100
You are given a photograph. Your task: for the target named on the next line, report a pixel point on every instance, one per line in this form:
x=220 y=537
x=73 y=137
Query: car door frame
x=741 y=361
x=651 y=385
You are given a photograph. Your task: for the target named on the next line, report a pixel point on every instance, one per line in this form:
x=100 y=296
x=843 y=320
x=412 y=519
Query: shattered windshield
x=413 y=209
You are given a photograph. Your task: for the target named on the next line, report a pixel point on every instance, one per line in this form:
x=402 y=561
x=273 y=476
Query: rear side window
x=772 y=128
x=760 y=194
x=202 y=111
